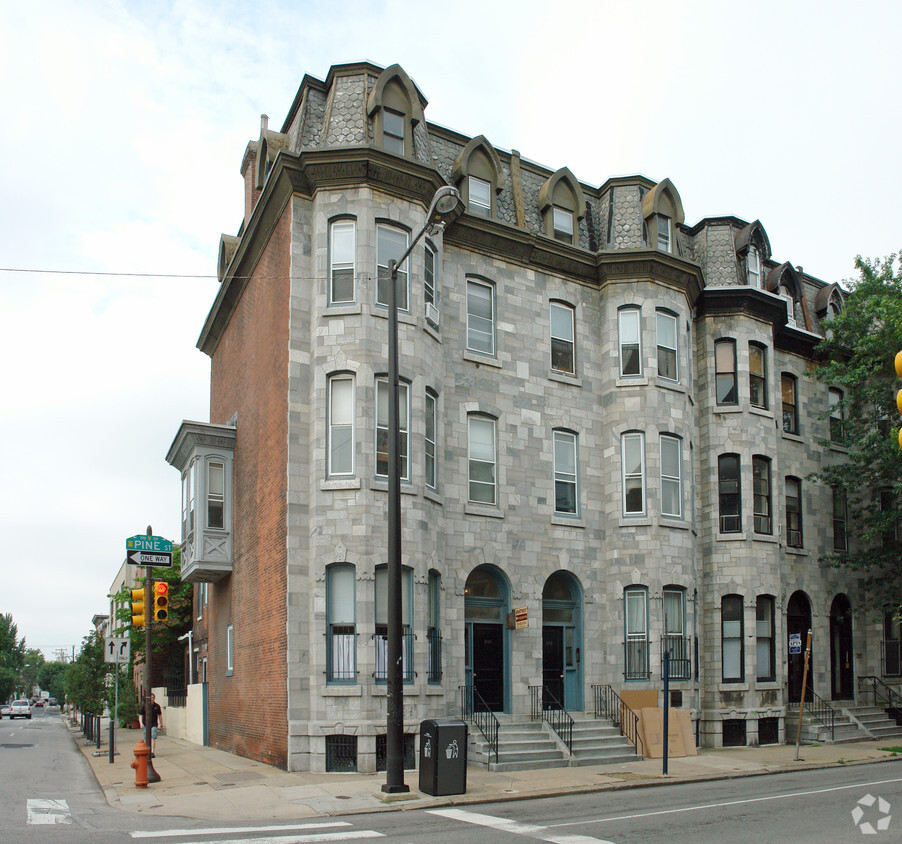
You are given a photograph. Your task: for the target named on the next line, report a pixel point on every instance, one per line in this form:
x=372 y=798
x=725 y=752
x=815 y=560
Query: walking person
x=156 y=721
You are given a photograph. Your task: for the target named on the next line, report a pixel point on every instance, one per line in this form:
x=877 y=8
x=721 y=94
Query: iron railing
x=680 y=648
x=474 y=708
x=820 y=710
x=177 y=698
x=407 y=640
x=636 y=659
x=434 y=640
x=608 y=704
x=547 y=707
x=884 y=696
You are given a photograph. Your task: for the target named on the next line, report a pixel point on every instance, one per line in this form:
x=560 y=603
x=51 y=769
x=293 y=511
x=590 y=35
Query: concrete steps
x=875 y=721
x=853 y=723
x=527 y=744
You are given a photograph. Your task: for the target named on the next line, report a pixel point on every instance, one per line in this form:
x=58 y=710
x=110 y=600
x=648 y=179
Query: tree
x=86 y=685
x=52 y=679
x=859 y=350
x=12 y=656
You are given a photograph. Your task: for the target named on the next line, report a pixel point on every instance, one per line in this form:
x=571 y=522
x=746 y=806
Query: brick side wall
x=250 y=378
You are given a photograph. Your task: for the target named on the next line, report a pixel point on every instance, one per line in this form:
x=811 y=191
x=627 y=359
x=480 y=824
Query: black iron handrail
x=819 y=709
x=608 y=704
x=884 y=692
x=547 y=707
x=474 y=708
x=680 y=659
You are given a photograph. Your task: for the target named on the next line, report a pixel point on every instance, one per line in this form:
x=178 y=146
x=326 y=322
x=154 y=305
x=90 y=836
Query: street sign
x=116 y=650
x=158 y=560
x=795 y=643
x=148 y=543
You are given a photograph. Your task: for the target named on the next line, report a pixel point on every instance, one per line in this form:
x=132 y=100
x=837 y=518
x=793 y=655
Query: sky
x=123 y=129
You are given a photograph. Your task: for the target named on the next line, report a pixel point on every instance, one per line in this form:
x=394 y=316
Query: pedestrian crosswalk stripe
x=325 y=837
x=231 y=830
x=540 y=833
x=46 y=811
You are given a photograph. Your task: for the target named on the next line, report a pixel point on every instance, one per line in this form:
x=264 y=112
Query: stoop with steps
x=525 y=744
x=852 y=723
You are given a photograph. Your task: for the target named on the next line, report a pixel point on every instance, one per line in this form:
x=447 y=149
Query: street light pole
x=444 y=204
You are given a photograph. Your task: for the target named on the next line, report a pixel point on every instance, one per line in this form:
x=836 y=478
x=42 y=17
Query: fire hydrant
x=141 y=751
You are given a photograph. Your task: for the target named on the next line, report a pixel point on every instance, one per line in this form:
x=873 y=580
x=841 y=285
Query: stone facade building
x=608 y=422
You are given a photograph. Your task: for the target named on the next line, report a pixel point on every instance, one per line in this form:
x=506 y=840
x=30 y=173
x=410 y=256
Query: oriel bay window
x=632 y=455
x=381 y=634
x=341 y=629
x=342 y=253
x=215 y=494
x=630 y=342
x=382 y=428
x=671 y=483
x=731 y=639
x=636 y=649
x=341 y=426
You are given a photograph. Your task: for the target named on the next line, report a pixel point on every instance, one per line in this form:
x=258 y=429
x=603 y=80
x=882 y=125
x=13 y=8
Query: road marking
x=44 y=811
x=725 y=803
x=231 y=830
x=505 y=825
x=325 y=837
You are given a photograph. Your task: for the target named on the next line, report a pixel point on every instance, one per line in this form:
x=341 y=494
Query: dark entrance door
x=841 y=672
x=488 y=665
x=552 y=667
x=798 y=620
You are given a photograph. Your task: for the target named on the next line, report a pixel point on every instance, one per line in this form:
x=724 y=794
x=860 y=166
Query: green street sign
x=148 y=543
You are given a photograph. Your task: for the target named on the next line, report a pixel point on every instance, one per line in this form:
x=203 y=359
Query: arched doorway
x=486 y=605
x=841 y=671
x=798 y=621
x=561 y=643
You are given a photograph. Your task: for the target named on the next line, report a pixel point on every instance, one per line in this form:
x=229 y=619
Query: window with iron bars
x=434 y=638
x=381 y=639
x=382 y=753
x=341 y=754
x=680 y=648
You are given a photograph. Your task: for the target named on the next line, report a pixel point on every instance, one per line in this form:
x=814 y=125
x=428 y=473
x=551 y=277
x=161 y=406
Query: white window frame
x=565 y=447
x=485 y=455
x=230 y=649
x=753 y=267
x=391 y=140
x=480 y=199
x=562 y=224
x=663 y=319
x=216 y=497
x=430 y=264
x=382 y=392
x=633 y=439
x=563 y=337
x=625 y=330
x=338 y=229
x=636 y=663
x=382 y=274
x=430 y=452
x=342 y=647
x=664 y=233
x=479 y=325
x=756 y=377
x=669 y=480
x=734 y=635
x=341 y=425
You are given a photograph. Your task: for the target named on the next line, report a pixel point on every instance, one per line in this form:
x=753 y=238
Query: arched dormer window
x=662 y=211
x=785 y=282
x=752 y=250
x=269 y=146
x=395 y=107
x=478 y=176
x=828 y=302
x=228 y=246
x=561 y=204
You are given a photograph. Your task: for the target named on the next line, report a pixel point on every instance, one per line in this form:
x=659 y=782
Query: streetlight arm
x=443 y=205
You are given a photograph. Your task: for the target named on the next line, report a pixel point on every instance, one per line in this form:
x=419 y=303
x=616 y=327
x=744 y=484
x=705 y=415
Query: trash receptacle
x=443 y=756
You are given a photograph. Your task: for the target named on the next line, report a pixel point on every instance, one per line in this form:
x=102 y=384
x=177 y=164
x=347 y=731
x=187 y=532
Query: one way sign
x=116 y=650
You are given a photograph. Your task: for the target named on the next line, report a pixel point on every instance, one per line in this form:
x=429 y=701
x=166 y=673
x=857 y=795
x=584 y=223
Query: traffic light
x=138 y=604
x=899 y=392
x=160 y=600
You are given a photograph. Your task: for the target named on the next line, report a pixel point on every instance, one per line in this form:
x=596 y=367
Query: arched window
x=561 y=205
x=342 y=261
x=662 y=211
x=340 y=435
x=635 y=600
x=395 y=108
x=479 y=177
x=630 y=330
x=729 y=495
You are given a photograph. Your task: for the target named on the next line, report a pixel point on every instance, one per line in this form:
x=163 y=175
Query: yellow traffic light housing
x=160 y=601
x=138 y=605
x=898 y=366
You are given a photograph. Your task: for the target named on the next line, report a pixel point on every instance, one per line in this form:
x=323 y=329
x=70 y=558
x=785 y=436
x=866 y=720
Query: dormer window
x=480 y=192
x=563 y=225
x=664 y=232
x=393 y=131
x=753 y=267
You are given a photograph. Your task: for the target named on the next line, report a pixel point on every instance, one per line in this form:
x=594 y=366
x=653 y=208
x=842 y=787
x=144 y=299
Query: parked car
x=39 y=702
x=51 y=702
x=20 y=709
x=4 y=710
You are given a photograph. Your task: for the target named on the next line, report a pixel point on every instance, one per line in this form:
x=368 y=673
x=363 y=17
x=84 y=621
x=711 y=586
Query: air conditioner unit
x=432 y=314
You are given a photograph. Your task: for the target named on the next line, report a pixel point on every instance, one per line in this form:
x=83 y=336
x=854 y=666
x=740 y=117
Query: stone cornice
x=193 y=434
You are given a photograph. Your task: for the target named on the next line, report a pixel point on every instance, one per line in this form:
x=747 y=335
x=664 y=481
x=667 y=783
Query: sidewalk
x=204 y=783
